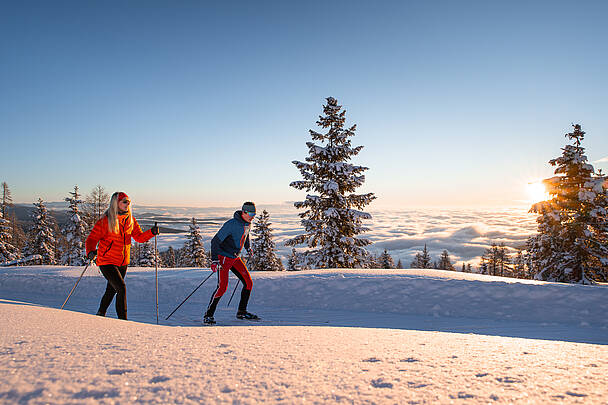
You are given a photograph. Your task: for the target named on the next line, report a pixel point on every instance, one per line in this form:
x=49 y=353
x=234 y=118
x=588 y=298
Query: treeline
x=497 y=260
x=45 y=242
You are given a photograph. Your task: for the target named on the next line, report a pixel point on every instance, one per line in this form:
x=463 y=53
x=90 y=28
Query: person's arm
x=219 y=241
x=97 y=233
x=139 y=235
x=247 y=245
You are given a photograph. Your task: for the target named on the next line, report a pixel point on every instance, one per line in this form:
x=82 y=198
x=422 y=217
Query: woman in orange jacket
x=110 y=241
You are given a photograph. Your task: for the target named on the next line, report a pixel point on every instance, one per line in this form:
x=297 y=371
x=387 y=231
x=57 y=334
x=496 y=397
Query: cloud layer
x=465 y=234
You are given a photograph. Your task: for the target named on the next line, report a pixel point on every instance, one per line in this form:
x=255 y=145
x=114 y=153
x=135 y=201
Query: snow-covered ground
x=328 y=336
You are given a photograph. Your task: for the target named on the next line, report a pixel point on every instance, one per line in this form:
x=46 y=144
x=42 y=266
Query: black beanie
x=248 y=206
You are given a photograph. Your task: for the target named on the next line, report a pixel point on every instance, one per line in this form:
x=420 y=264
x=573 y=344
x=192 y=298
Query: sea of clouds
x=464 y=233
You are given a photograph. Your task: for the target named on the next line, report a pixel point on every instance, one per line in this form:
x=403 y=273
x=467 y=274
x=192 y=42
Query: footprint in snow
x=119 y=371
x=409 y=360
x=371 y=360
x=380 y=383
x=158 y=379
x=575 y=394
x=481 y=374
x=508 y=380
x=462 y=395
x=96 y=394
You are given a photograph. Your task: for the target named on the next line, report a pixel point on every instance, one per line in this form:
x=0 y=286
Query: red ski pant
x=238 y=267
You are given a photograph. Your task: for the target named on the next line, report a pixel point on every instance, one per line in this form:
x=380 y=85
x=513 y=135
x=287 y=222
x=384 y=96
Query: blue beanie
x=249 y=207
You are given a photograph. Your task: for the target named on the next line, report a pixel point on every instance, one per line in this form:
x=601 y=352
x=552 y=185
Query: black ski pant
x=116 y=286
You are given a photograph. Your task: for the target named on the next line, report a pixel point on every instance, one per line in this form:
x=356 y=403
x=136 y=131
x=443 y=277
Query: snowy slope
x=327 y=337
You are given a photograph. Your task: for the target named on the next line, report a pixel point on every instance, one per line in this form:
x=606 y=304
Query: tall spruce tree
x=74 y=231
x=572 y=240
x=332 y=216
x=17 y=234
x=444 y=262
x=8 y=252
x=147 y=256
x=169 y=257
x=7 y=200
x=293 y=261
x=41 y=240
x=193 y=254
x=386 y=260
x=263 y=247
x=422 y=260
x=497 y=260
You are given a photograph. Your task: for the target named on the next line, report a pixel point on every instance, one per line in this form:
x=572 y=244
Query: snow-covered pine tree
x=483 y=266
x=519 y=265
x=399 y=264
x=293 y=261
x=263 y=247
x=498 y=260
x=75 y=232
x=444 y=262
x=147 y=258
x=41 y=239
x=194 y=253
x=7 y=200
x=8 y=252
x=386 y=260
x=18 y=236
x=332 y=218
x=169 y=257
x=422 y=260
x=572 y=240
x=135 y=248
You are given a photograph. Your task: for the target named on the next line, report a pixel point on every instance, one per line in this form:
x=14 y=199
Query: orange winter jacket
x=115 y=248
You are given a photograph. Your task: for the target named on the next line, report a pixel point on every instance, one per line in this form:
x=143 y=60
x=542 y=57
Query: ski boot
x=208 y=320
x=247 y=315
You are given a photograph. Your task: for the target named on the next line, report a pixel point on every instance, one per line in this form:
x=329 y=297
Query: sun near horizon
x=537 y=192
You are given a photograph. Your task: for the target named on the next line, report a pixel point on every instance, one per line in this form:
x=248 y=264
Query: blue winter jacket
x=231 y=238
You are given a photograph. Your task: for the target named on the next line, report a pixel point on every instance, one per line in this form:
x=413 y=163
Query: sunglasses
x=251 y=214
x=124 y=200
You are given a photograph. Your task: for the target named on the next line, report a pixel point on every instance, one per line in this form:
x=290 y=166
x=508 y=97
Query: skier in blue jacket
x=226 y=246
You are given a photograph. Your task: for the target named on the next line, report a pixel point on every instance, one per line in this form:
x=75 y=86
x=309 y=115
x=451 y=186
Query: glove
x=215 y=265
x=91 y=255
x=155 y=230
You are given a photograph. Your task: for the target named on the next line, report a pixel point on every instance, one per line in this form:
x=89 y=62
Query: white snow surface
x=327 y=336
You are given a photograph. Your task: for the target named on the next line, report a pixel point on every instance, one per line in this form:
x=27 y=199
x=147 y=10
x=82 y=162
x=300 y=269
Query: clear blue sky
x=207 y=103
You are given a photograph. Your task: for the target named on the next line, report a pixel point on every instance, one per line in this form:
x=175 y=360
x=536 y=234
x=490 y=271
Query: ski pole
x=156 y=271
x=77 y=281
x=230 y=300
x=189 y=296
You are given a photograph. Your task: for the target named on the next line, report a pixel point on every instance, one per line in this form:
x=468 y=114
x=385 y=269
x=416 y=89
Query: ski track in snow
x=414 y=336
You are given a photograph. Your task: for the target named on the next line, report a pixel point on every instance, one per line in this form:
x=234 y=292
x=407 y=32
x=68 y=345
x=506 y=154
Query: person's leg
x=222 y=285
x=121 y=295
x=240 y=269
x=114 y=275
x=108 y=295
